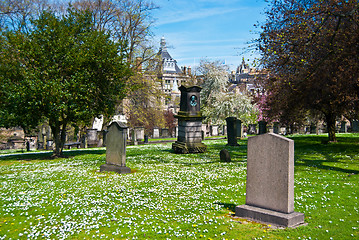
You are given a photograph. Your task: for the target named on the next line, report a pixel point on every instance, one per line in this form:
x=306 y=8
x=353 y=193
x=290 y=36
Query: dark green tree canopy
x=310 y=48
x=63 y=70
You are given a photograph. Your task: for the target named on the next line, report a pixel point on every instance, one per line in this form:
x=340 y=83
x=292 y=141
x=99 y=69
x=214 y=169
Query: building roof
x=169 y=65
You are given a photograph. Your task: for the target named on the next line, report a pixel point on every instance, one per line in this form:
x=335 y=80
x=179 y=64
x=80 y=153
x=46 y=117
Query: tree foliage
x=311 y=51
x=63 y=71
x=217 y=102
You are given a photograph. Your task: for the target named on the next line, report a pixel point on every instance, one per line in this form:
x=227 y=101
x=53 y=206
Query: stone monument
x=232 y=131
x=116 y=139
x=270 y=182
x=189 y=139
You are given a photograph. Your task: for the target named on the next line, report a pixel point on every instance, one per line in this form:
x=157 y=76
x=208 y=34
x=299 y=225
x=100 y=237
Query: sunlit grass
x=173 y=196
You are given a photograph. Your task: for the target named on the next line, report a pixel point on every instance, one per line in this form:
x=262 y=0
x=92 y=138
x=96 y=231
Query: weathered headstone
x=276 y=127
x=165 y=133
x=224 y=155
x=239 y=129
x=156 y=133
x=252 y=128
x=232 y=131
x=92 y=139
x=189 y=117
x=262 y=125
x=355 y=125
x=313 y=129
x=140 y=133
x=343 y=127
x=116 y=139
x=133 y=137
x=270 y=182
x=214 y=130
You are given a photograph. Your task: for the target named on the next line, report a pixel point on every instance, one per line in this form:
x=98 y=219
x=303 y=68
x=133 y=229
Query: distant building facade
x=243 y=79
x=171 y=77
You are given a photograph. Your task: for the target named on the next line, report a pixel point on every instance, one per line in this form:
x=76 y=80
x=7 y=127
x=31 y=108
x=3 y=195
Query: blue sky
x=212 y=29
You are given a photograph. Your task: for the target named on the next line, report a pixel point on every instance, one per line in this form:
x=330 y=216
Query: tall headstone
x=116 y=139
x=232 y=131
x=140 y=133
x=262 y=125
x=270 y=182
x=214 y=130
x=189 y=139
x=343 y=127
x=156 y=132
x=276 y=127
x=355 y=125
x=239 y=129
x=313 y=128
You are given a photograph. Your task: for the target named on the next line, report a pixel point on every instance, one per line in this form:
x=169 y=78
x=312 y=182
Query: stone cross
x=270 y=181
x=116 y=139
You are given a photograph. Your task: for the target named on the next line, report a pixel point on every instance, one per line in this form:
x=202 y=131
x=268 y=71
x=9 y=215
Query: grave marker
x=270 y=181
x=116 y=139
x=189 y=117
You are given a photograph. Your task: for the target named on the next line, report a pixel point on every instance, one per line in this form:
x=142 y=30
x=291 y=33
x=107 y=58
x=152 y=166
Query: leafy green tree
x=311 y=51
x=62 y=71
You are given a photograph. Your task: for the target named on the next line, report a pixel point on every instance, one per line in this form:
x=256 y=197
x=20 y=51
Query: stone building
x=171 y=77
x=243 y=79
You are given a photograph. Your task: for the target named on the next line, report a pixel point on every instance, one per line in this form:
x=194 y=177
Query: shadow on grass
x=229 y=206
x=309 y=148
x=28 y=156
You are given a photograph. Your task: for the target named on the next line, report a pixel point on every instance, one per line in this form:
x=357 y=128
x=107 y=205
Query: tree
x=63 y=71
x=217 y=102
x=127 y=21
x=310 y=49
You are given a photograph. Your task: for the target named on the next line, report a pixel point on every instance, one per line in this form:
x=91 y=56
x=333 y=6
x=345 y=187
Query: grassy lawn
x=170 y=196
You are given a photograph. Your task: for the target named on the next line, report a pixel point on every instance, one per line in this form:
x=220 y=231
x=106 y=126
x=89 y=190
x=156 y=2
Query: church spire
x=163 y=44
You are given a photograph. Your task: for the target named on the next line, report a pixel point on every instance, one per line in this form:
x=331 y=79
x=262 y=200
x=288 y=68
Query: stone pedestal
x=116 y=139
x=270 y=182
x=189 y=139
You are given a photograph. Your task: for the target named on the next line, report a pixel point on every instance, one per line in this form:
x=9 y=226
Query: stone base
x=270 y=217
x=183 y=148
x=114 y=168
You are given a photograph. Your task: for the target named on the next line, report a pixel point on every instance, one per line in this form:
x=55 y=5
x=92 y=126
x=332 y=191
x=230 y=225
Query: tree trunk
x=59 y=135
x=330 y=119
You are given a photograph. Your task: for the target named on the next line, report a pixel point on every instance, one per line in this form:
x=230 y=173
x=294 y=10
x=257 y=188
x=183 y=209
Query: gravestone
x=189 y=139
x=116 y=139
x=140 y=133
x=232 y=131
x=92 y=139
x=156 y=133
x=270 y=182
x=133 y=137
x=343 y=127
x=224 y=155
x=239 y=129
x=355 y=125
x=276 y=127
x=262 y=125
x=252 y=128
x=165 y=133
x=214 y=130
x=313 y=129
